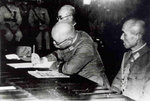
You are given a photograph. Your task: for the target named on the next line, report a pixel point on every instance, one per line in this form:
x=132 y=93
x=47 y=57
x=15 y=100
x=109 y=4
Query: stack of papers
x=30 y=65
x=12 y=56
x=2 y=88
x=47 y=74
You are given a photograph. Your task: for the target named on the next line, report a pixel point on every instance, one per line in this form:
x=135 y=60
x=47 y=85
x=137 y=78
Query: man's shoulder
x=81 y=31
x=84 y=40
x=83 y=34
x=145 y=51
x=2 y=8
x=12 y=7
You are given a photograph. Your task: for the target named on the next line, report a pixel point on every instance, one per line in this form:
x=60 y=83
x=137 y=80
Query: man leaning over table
x=133 y=79
x=76 y=54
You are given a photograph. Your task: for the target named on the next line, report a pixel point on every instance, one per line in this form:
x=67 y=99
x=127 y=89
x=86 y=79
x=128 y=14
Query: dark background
x=102 y=20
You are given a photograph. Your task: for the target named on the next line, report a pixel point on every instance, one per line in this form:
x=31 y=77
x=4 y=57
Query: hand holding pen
x=35 y=58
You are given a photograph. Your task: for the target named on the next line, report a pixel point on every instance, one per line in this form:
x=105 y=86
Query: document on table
x=12 y=56
x=30 y=65
x=47 y=74
x=2 y=88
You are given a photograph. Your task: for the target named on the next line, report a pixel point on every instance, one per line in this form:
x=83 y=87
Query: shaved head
x=62 y=31
x=133 y=31
x=66 y=14
x=66 y=10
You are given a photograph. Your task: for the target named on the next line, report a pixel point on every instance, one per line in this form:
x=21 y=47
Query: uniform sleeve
x=116 y=84
x=83 y=55
x=51 y=57
x=146 y=89
x=55 y=56
x=146 y=92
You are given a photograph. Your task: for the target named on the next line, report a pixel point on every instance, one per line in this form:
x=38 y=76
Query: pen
x=33 y=52
x=33 y=48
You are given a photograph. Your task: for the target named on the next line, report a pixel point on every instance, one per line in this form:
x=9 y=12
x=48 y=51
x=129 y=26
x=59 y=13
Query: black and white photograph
x=74 y=50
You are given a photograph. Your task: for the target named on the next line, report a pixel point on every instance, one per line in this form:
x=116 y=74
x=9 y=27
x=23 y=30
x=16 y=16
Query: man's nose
x=59 y=20
x=122 y=37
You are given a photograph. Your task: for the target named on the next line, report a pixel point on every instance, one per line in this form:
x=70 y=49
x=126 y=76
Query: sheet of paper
x=47 y=74
x=98 y=92
x=12 y=56
x=7 y=88
x=30 y=65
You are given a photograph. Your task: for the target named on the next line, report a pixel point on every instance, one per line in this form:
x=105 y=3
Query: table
x=29 y=88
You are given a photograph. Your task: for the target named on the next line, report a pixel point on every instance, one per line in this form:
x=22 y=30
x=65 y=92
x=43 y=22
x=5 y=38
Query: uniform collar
x=140 y=51
x=75 y=42
x=76 y=39
x=139 y=48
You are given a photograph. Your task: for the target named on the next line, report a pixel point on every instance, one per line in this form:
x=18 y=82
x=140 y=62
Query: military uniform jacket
x=138 y=80
x=38 y=13
x=15 y=14
x=82 y=58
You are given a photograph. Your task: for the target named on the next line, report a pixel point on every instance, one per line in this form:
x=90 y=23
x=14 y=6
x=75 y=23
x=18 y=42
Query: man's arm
x=35 y=59
x=83 y=55
x=51 y=57
x=146 y=89
x=116 y=85
x=117 y=82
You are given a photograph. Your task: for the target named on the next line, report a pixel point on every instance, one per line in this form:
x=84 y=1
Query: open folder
x=30 y=65
x=47 y=74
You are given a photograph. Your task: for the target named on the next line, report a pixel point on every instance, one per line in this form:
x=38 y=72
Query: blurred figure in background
x=10 y=20
x=66 y=13
x=39 y=22
x=24 y=7
x=133 y=79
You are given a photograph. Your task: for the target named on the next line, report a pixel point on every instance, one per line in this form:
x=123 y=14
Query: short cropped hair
x=69 y=8
x=137 y=25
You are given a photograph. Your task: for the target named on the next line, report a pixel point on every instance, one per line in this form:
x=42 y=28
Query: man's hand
x=44 y=60
x=35 y=59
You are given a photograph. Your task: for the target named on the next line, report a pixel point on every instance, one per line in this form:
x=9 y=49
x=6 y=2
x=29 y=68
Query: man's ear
x=139 y=36
x=70 y=18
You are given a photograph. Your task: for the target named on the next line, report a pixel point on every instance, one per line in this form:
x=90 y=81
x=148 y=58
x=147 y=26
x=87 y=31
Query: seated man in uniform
x=76 y=54
x=133 y=79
